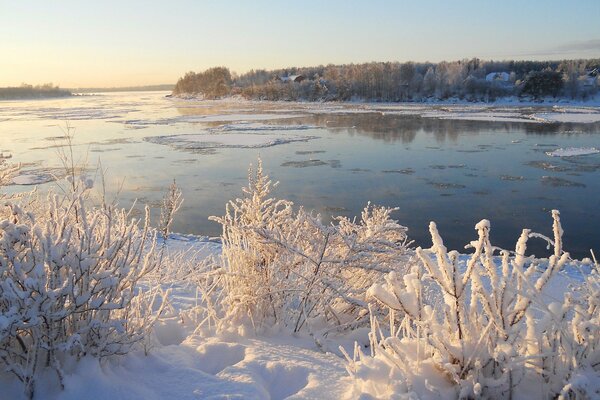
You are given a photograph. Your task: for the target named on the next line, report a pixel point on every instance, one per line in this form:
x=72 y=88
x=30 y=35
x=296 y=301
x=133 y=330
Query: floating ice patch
x=258 y=127
x=80 y=113
x=405 y=171
x=573 y=117
x=490 y=116
x=33 y=178
x=226 y=140
x=304 y=164
x=512 y=178
x=560 y=182
x=445 y=185
x=40 y=176
x=308 y=152
x=572 y=151
x=110 y=142
x=190 y=119
x=472 y=113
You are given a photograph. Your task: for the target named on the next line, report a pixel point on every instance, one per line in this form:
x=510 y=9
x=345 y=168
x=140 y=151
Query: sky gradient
x=122 y=43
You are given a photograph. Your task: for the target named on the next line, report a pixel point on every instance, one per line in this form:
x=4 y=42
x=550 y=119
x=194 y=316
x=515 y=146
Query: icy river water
x=451 y=164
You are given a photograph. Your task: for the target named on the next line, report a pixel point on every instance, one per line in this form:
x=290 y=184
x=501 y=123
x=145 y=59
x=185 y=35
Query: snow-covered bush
x=68 y=276
x=7 y=171
x=285 y=267
x=481 y=326
x=566 y=341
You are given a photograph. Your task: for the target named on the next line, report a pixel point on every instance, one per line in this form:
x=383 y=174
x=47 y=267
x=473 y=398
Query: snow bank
x=207 y=368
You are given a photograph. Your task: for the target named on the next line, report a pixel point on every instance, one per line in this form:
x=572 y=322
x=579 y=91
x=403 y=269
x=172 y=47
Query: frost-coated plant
x=566 y=341
x=479 y=326
x=7 y=171
x=286 y=267
x=68 y=276
x=171 y=203
x=248 y=279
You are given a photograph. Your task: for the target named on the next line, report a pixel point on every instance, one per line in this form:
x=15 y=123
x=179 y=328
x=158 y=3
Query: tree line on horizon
x=26 y=91
x=471 y=80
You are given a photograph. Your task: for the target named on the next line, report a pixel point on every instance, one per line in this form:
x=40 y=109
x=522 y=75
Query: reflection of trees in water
x=561 y=128
x=404 y=128
x=388 y=127
x=393 y=128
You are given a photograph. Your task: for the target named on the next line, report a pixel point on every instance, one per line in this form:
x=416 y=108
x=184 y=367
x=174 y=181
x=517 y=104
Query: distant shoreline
x=147 y=88
x=33 y=93
x=503 y=101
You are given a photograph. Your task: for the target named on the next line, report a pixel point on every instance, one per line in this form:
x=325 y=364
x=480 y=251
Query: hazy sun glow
x=113 y=43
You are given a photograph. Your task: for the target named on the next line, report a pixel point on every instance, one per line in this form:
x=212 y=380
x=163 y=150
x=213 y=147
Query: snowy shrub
x=566 y=341
x=68 y=276
x=7 y=171
x=481 y=326
x=286 y=267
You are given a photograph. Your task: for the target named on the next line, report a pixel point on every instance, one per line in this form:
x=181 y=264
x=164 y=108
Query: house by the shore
x=503 y=77
x=292 y=78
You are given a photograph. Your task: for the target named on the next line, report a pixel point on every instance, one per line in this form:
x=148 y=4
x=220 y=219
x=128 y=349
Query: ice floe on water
x=470 y=112
x=405 y=171
x=554 y=181
x=512 y=178
x=491 y=116
x=255 y=126
x=242 y=134
x=572 y=151
x=32 y=179
x=583 y=117
x=312 y=163
x=202 y=141
x=191 y=119
x=79 y=113
x=587 y=117
x=37 y=176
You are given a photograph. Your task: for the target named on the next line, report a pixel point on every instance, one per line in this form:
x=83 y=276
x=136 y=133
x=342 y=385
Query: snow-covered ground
x=186 y=364
x=207 y=368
